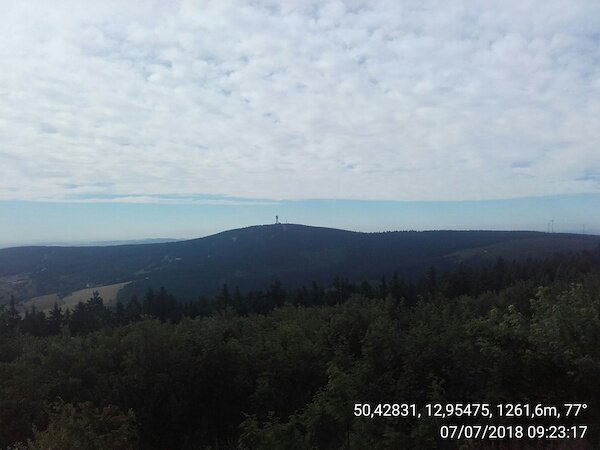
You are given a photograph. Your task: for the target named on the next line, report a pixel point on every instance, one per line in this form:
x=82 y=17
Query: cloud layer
x=294 y=100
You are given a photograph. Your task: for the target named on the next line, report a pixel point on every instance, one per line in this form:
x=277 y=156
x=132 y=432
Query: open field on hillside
x=46 y=302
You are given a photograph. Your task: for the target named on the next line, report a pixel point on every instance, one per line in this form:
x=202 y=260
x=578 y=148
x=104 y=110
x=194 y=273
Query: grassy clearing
x=46 y=302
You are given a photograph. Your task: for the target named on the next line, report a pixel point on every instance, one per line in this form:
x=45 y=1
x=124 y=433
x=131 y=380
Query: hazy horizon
x=73 y=223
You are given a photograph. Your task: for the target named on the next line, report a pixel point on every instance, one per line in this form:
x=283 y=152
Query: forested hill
x=253 y=257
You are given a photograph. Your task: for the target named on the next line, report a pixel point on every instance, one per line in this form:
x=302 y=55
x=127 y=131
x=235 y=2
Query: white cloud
x=291 y=100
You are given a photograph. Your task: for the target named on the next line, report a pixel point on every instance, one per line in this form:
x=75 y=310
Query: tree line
x=285 y=369
x=93 y=314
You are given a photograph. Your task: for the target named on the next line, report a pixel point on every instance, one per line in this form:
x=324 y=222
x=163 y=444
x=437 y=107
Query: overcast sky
x=235 y=102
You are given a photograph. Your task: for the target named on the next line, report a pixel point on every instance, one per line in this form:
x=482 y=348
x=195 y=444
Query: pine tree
x=148 y=308
x=13 y=317
x=120 y=316
x=133 y=310
x=55 y=319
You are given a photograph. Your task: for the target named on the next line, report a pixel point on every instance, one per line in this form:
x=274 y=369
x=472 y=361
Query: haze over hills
x=253 y=257
x=92 y=243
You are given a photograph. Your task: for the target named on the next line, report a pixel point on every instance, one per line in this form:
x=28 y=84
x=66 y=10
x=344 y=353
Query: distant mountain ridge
x=95 y=243
x=253 y=257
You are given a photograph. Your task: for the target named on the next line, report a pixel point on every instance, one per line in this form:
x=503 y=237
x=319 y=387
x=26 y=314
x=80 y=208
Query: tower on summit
x=276 y=220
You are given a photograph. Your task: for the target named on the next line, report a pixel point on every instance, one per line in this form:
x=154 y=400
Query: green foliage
x=288 y=376
x=84 y=426
x=565 y=333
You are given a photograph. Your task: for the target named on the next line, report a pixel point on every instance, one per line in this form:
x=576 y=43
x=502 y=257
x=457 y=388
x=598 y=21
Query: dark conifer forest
x=284 y=368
